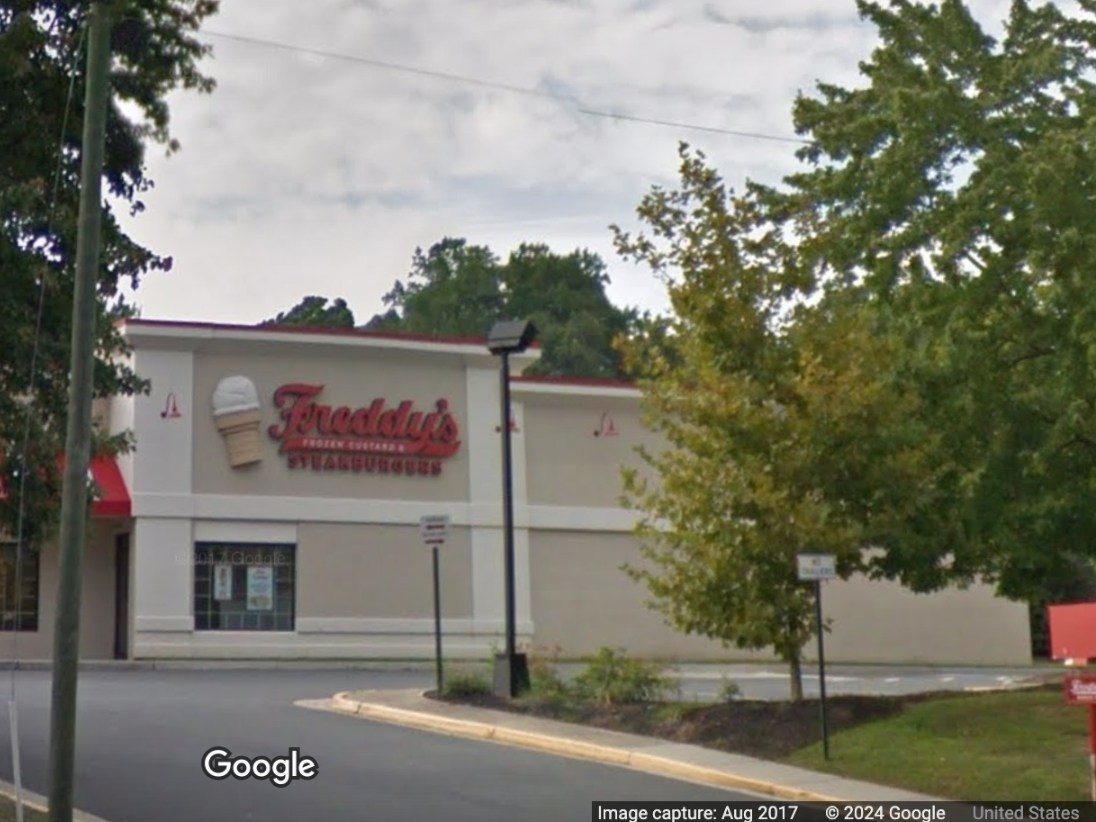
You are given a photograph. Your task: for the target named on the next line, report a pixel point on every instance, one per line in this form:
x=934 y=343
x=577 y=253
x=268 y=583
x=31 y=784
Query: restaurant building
x=271 y=510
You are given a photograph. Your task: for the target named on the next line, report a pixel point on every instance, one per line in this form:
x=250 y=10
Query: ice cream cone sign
x=237 y=414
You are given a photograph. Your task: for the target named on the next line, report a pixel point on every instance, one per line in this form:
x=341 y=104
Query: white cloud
x=309 y=175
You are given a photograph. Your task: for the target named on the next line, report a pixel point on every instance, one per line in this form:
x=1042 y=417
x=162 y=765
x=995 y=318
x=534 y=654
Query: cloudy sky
x=309 y=174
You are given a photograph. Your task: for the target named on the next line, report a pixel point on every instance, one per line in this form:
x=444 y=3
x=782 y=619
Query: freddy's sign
x=377 y=438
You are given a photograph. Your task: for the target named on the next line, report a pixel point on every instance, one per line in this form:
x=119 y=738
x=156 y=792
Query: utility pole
x=74 y=501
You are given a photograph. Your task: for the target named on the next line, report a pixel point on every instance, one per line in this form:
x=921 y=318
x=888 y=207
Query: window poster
x=222 y=582
x=260 y=588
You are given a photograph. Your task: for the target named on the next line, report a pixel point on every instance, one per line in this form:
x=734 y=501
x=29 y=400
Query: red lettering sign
x=359 y=464
x=377 y=438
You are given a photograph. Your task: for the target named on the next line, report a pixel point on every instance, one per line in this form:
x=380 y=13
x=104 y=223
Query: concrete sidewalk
x=39 y=803
x=411 y=708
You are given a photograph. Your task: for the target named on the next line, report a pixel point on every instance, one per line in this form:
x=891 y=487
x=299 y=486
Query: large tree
x=922 y=301
x=946 y=214
x=42 y=79
x=460 y=289
x=782 y=432
x=957 y=186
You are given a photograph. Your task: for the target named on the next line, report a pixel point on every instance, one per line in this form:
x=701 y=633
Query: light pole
x=511 y=672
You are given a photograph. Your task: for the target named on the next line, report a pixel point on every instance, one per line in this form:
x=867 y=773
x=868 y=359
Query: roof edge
x=200 y=329
x=593 y=382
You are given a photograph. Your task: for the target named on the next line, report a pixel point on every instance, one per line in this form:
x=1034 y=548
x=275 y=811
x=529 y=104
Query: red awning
x=113 y=497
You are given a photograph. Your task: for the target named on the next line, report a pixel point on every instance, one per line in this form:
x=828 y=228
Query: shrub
x=611 y=678
x=466 y=683
x=729 y=691
x=672 y=712
x=545 y=682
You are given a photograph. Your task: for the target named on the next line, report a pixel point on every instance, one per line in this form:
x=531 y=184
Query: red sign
x=372 y=439
x=1081 y=689
x=1072 y=630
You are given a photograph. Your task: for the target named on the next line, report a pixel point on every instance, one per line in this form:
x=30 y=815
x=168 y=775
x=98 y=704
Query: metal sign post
x=434 y=530
x=1092 y=747
x=1081 y=690
x=816 y=568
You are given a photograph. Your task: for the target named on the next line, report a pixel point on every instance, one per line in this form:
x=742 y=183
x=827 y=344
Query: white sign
x=817 y=567
x=222 y=582
x=434 y=529
x=260 y=588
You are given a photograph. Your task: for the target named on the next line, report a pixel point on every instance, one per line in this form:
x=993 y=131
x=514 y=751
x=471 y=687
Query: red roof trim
x=587 y=381
x=311 y=330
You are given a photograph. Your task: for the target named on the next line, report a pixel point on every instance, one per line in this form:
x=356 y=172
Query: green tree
x=457 y=289
x=315 y=311
x=454 y=289
x=1076 y=582
x=783 y=433
x=889 y=356
x=957 y=186
x=41 y=42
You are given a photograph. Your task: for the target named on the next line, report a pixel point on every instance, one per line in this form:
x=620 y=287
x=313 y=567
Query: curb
x=38 y=802
x=1011 y=686
x=547 y=743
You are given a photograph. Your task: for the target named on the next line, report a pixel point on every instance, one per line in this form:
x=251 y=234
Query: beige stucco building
x=309 y=545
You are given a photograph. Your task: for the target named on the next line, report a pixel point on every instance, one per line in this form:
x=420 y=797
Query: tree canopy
x=458 y=289
x=957 y=190
x=316 y=311
x=42 y=78
x=894 y=348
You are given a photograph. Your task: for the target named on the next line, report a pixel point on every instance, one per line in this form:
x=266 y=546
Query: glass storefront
x=244 y=587
x=18 y=589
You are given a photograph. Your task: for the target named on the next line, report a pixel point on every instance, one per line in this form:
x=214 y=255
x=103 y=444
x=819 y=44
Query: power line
x=491 y=84
x=712 y=129
x=382 y=64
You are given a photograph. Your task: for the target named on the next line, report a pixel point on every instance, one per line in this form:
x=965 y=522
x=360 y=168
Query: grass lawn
x=7 y=812
x=1017 y=745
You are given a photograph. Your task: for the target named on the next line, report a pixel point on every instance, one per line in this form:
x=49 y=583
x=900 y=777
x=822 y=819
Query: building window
x=240 y=587
x=18 y=589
